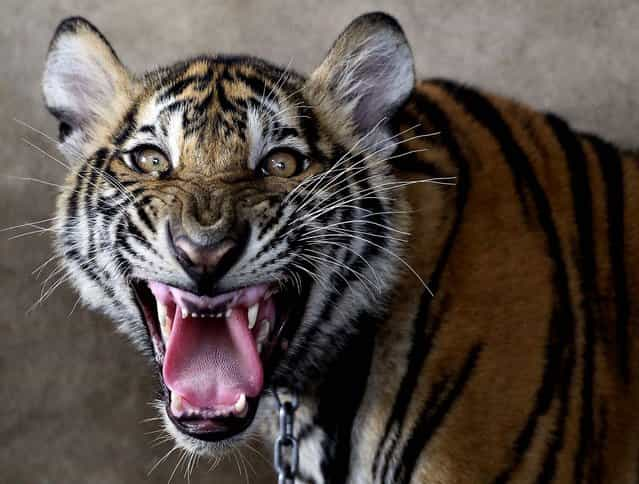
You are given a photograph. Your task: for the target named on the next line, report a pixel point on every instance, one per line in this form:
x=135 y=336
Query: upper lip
x=210 y=304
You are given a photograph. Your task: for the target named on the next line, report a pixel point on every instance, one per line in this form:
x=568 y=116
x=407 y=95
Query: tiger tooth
x=185 y=313
x=228 y=313
x=161 y=309
x=176 y=404
x=252 y=315
x=265 y=329
x=240 y=405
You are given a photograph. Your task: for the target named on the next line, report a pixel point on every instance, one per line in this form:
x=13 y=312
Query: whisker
x=162 y=459
x=344 y=246
x=363 y=279
x=395 y=256
x=27 y=224
x=35 y=180
x=112 y=181
x=31 y=232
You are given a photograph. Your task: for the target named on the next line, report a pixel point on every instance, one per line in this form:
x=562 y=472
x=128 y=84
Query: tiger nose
x=216 y=258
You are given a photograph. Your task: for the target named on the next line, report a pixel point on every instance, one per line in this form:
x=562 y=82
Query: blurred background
x=75 y=394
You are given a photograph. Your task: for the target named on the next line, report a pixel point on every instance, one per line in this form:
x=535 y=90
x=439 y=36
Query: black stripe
x=612 y=172
x=310 y=127
x=181 y=105
x=178 y=87
x=424 y=329
x=72 y=204
x=559 y=347
x=413 y=161
x=341 y=396
x=597 y=466
x=121 y=228
x=201 y=108
x=284 y=132
x=138 y=235
x=432 y=416
x=72 y=254
x=127 y=127
x=144 y=217
x=549 y=465
x=255 y=83
x=90 y=202
x=225 y=103
x=147 y=128
x=582 y=203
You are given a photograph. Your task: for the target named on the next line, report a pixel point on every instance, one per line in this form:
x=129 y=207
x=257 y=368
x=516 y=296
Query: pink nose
x=204 y=258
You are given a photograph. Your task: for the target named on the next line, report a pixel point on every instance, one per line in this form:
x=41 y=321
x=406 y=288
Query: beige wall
x=73 y=393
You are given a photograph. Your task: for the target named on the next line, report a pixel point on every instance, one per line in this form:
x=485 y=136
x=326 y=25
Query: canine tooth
x=185 y=313
x=195 y=315
x=228 y=313
x=252 y=315
x=265 y=329
x=240 y=405
x=161 y=308
x=176 y=404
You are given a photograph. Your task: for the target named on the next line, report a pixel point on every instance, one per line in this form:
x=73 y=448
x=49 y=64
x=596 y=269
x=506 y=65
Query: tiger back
x=520 y=369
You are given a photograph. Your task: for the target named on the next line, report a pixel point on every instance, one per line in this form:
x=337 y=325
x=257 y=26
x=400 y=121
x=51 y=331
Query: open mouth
x=215 y=352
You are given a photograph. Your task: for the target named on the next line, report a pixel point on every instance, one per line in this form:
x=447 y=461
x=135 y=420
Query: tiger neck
x=332 y=421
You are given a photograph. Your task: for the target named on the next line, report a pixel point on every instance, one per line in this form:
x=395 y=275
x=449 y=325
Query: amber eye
x=150 y=160
x=283 y=164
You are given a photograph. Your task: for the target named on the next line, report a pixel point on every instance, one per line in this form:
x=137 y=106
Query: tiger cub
x=437 y=284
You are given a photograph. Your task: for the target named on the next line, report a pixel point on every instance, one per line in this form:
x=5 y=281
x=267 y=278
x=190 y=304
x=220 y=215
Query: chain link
x=286 y=450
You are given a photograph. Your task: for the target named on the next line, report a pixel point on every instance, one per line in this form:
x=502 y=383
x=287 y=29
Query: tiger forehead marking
x=219 y=116
x=253 y=229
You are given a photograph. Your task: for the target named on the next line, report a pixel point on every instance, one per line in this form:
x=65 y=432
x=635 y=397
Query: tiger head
x=236 y=219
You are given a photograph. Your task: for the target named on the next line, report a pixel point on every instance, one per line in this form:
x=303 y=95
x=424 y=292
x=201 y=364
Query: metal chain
x=286 y=450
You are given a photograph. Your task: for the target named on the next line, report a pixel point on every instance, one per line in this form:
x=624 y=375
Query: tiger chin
x=445 y=277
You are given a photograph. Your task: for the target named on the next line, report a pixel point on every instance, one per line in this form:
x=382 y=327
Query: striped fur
x=521 y=366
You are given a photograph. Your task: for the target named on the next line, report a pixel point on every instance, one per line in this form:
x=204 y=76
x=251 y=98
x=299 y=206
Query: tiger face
x=219 y=208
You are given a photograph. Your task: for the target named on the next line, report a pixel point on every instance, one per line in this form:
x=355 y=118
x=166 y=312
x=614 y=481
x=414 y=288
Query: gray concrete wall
x=73 y=394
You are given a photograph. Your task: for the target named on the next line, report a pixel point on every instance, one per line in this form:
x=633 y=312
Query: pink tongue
x=210 y=362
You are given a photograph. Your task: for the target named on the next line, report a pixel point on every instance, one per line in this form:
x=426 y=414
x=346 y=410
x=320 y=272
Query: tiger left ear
x=366 y=77
x=84 y=82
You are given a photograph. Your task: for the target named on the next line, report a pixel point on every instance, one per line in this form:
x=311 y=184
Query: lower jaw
x=216 y=429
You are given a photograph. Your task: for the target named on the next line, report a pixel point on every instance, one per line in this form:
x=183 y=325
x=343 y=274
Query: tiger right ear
x=84 y=82
x=365 y=78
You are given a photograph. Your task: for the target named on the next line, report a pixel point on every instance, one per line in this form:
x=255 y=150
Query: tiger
x=435 y=283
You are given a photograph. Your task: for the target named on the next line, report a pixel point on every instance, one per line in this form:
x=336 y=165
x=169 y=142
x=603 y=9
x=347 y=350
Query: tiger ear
x=84 y=82
x=365 y=78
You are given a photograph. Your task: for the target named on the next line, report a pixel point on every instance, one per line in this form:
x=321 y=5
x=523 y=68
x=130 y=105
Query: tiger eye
x=152 y=161
x=281 y=164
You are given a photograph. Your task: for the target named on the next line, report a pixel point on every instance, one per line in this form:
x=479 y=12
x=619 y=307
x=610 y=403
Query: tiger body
x=484 y=383
x=482 y=332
